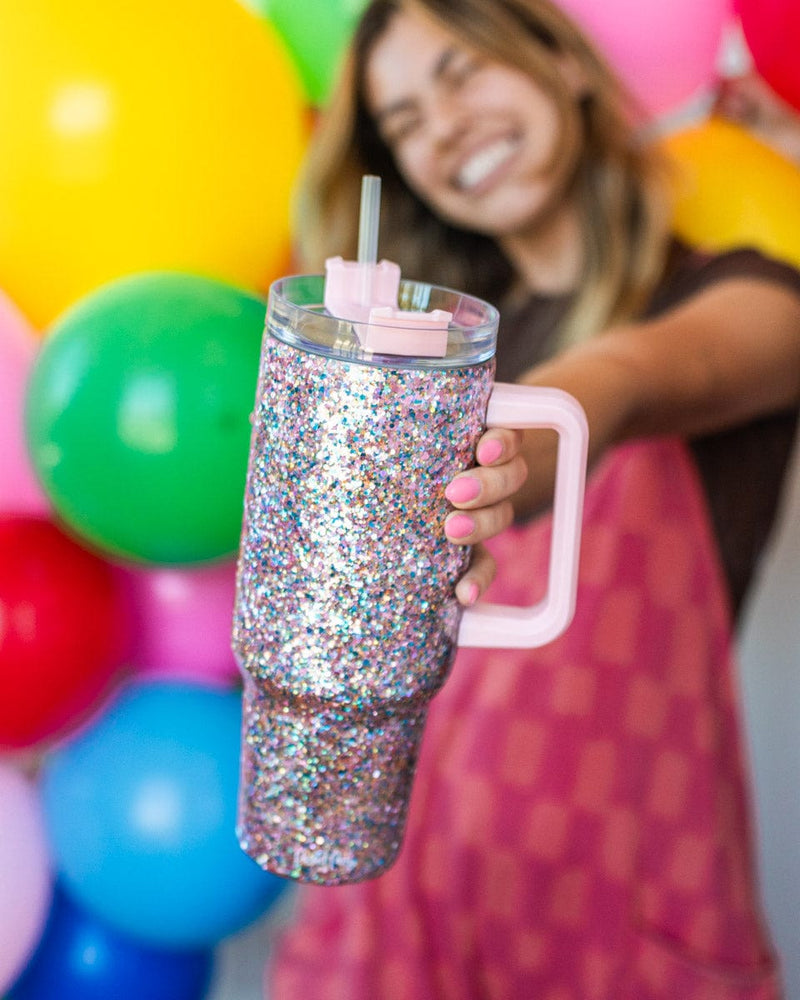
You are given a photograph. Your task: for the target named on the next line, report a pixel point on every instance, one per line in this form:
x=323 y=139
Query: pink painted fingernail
x=459 y=526
x=463 y=489
x=489 y=451
x=473 y=593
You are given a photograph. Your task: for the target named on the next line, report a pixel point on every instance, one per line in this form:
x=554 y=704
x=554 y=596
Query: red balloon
x=772 y=31
x=63 y=630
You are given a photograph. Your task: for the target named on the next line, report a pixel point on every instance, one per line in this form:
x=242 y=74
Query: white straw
x=369 y=219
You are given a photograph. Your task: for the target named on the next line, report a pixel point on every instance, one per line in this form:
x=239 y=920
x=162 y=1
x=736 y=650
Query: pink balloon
x=183 y=622
x=19 y=490
x=25 y=878
x=664 y=50
x=772 y=31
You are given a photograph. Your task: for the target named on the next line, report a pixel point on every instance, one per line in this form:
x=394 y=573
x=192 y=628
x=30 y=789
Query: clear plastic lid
x=297 y=316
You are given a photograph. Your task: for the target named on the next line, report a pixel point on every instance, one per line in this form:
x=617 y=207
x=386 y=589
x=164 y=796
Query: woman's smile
x=485 y=165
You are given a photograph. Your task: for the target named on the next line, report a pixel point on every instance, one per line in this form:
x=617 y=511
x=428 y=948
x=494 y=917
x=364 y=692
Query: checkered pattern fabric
x=579 y=823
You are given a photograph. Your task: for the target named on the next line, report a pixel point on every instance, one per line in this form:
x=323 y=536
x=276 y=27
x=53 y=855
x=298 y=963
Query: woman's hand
x=482 y=498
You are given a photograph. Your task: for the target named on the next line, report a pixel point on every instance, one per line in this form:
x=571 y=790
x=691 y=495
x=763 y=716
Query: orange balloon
x=732 y=190
x=142 y=136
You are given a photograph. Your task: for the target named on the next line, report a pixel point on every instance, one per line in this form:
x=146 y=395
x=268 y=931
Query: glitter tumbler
x=345 y=621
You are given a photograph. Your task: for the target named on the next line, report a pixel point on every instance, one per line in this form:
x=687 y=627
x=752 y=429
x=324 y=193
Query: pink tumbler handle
x=504 y=626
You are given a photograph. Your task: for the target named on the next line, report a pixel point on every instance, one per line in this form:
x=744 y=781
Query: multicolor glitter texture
x=346 y=620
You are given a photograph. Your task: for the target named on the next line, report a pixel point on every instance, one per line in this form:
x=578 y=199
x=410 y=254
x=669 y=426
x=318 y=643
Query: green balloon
x=138 y=415
x=316 y=33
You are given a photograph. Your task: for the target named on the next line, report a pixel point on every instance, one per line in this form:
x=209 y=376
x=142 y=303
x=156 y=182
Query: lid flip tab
x=397 y=331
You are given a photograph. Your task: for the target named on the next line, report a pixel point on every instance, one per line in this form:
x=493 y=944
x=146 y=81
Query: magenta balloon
x=664 y=50
x=19 y=489
x=183 y=622
x=26 y=886
x=772 y=31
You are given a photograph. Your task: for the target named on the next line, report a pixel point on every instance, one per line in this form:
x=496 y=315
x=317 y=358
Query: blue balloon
x=82 y=958
x=140 y=811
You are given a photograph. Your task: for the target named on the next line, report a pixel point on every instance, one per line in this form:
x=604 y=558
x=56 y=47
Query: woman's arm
x=729 y=354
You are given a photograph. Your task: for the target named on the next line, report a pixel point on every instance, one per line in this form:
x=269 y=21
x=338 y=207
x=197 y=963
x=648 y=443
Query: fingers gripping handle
x=501 y=626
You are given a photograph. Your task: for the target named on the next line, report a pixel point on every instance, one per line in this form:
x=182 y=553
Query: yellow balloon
x=732 y=190
x=155 y=134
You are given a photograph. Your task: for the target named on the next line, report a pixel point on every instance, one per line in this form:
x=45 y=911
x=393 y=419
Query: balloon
x=138 y=415
x=142 y=136
x=82 y=958
x=316 y=33
x=772 y=31
x=183 y=622
x=732 y=190
x=18 y=346
x=64 y=630
x=25 y=882
x=141 y=812
x=666 y=53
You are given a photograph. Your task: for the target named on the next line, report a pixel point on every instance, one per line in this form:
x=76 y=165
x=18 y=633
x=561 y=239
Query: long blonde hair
x=620 y=183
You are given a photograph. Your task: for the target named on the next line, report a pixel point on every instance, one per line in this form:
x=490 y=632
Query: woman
x=578 y=827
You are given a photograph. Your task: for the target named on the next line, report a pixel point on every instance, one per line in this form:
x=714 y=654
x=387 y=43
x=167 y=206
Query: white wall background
x=240 y=963
x=770 y=686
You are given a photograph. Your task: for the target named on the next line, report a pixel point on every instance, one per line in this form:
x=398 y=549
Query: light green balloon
x=316 y=34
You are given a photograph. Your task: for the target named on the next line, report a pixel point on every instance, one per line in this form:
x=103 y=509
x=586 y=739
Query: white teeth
x=479 y=166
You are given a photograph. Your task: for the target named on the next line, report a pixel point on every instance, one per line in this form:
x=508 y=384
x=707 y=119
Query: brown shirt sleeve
x=690 y=271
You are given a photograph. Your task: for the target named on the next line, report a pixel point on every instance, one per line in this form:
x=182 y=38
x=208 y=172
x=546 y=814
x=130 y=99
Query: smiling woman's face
x=474 y=138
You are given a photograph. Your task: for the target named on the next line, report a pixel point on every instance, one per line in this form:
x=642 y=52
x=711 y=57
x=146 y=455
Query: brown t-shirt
x=742 y=469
